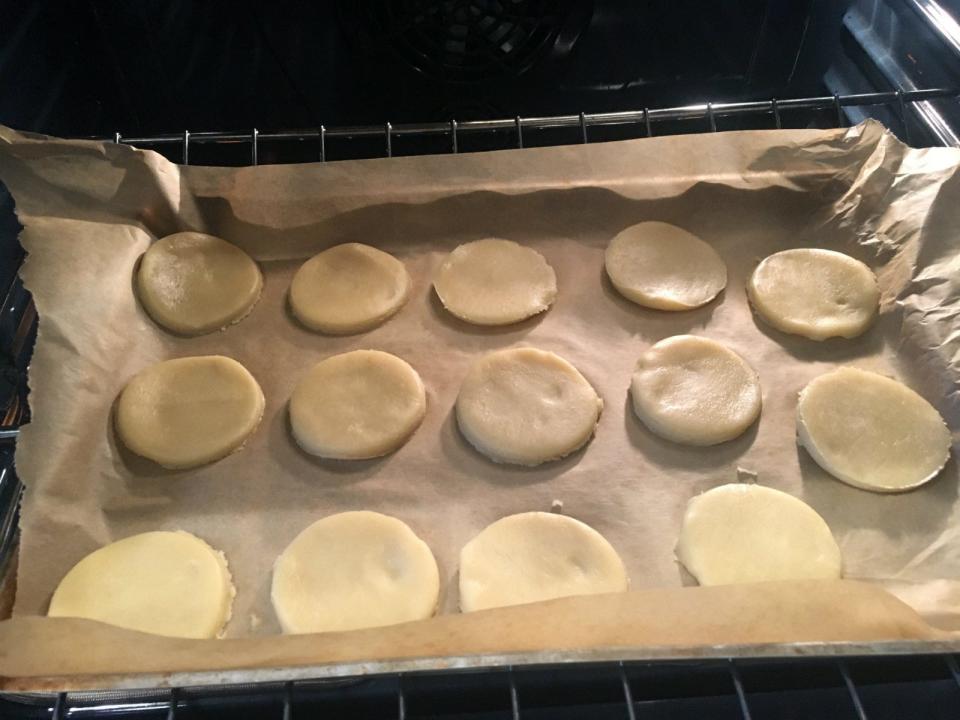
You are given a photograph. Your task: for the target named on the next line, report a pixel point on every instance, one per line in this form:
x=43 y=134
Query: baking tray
x=850 y=172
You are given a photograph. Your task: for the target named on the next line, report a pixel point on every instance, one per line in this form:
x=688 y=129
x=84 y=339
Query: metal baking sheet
x=89 y=210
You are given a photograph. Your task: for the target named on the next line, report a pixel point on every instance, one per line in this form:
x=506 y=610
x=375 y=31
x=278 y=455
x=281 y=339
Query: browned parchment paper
x=768 y=618
x=89 y=210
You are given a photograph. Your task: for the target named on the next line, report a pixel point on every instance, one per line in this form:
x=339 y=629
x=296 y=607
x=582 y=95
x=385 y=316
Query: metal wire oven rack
x=925 y=687
x=918 y=686
x=772 y=113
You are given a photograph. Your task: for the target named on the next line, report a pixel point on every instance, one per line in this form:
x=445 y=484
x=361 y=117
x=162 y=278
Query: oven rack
x=853 y=688
x=776 y=111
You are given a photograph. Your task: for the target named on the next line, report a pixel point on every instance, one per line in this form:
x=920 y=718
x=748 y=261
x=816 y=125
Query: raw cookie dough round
x=348 y=289
x=526 y=406
x=495 y=282
x=354 y=570
x=537 y=556
x=361 y=404
x=661 y=266
x=743 y=533
x=165 y=583
x=189 y=411
x=695 y=391
x=870 y=431
x=814 y=293
x=193 y=283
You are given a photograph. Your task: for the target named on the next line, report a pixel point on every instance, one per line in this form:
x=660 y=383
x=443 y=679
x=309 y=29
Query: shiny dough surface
x=526 y=406
x=870 y=431
x=165 y=583
x=495 y=282
x=357 y=405
x=741 y=533
x=815 y=293
x=695 y=391
x=189 y=411
x=192 y=283
x=537 y=556
x=354 y=570
x=348 y=288
x=661 y=266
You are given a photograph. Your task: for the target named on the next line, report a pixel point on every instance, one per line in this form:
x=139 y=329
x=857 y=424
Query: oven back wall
x=97 y=67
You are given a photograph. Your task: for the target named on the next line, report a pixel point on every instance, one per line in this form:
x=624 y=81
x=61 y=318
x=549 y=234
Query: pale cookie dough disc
x=695 y=391
x=870 y=431
x=495 y=282
x=348 y=289
x=361 y=404
x=193 y=283
x=537 y=556
x=815 y=293
x=165 y=583
x=748 y=533
x=526 y=406
x=661 y=266
x=354 y=570
x=190 y=411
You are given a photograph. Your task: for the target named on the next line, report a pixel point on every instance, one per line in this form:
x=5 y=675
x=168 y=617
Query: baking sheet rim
x=330 y=671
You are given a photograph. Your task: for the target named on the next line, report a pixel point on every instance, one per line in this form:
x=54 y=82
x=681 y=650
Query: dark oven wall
x=95 y=67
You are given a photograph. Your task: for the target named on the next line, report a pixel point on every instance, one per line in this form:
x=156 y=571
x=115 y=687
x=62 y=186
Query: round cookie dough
x=526 y=406
x=358 y=405
x=495 y=282
x=193 y=283
x=348 y=289
x=743 y=533
x=189 y=411
x=165 y=583
x=661 y=266
x=870 y=431
x=354 y=570
x=695 y=391
x=537 y=556
x=815 y=293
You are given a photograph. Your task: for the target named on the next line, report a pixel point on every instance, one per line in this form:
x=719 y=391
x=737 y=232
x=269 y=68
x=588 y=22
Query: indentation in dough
x=537 y=556
x=695 y=391
x=360 y=404
x=526 y=406
x=354 y=570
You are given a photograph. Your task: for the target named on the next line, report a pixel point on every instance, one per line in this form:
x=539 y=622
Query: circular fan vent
x=466 y=40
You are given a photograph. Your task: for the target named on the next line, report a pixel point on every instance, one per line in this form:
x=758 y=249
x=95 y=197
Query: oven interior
x=287 y=81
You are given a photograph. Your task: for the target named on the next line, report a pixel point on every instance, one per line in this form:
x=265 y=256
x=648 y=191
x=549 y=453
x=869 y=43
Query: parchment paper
x=89 y=210
x=770 y=619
